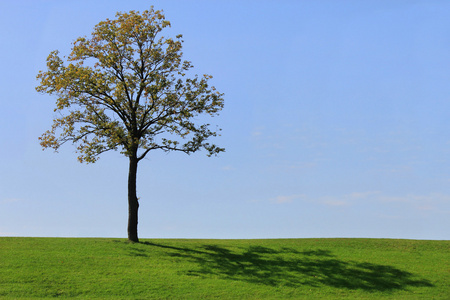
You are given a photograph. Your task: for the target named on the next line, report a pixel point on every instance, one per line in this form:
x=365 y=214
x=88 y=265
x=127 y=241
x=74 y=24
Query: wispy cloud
x=425 y=203
x=390 y=217
x=336 y=203
x=347 y=199
x=228 y=168
x=293 y=165
x=428 y=203
x=386 y=198
x=400 y=169
x=286 y=199
x=6 y=232
x=3 y=233
x=10 y=200
x=258 y=131
x=362 y=195
x=425 y=207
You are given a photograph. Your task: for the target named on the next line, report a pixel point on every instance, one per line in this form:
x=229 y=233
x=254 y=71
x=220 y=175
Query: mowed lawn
x=224 y=269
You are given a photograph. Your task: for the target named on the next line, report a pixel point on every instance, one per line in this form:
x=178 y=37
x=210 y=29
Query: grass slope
x=224 y=269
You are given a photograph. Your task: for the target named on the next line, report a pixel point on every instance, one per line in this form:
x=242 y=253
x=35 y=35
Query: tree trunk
x=133 y=204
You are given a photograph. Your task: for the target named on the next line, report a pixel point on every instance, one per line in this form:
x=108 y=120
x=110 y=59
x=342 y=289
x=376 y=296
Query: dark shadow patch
x=138 y=252
x=289 y=267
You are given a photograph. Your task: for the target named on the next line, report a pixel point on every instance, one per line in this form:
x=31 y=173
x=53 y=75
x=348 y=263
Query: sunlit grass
x=224 y=269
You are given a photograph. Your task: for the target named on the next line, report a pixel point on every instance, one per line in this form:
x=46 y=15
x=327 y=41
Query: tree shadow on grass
x=289 y=267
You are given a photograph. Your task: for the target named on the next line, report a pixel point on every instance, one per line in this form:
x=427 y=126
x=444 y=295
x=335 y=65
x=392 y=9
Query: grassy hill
x=224 y=269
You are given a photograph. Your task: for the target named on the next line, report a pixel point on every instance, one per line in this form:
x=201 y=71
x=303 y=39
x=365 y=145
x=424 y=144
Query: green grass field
x=224 y=269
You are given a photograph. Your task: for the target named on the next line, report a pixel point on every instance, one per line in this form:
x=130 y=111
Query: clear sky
x=336 y=124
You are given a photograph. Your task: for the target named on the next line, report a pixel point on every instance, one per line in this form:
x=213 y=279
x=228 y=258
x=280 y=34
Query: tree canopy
x=126 y=88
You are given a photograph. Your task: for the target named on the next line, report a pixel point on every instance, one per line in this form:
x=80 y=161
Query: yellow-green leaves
x=125 y=87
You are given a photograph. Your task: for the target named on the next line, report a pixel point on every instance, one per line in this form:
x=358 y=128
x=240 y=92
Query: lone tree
x=126 y=88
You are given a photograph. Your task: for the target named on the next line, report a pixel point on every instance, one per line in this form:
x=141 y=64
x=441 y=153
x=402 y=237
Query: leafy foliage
x=125 y=88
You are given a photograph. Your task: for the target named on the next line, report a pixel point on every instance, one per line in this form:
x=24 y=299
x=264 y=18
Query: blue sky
x=336 y=124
